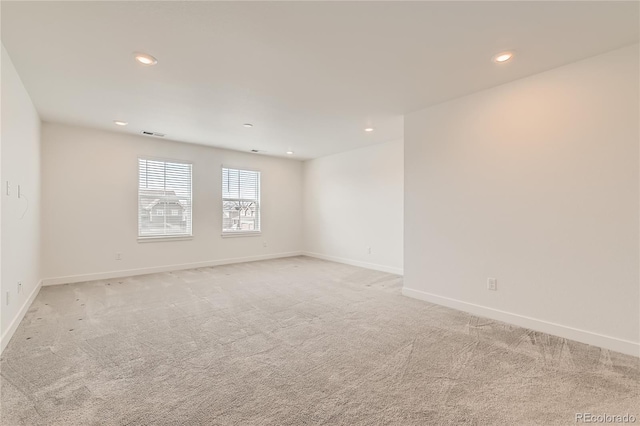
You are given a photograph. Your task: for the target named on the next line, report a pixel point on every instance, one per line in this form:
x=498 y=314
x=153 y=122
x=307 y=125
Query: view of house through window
x=164 y=198
x=240 y=201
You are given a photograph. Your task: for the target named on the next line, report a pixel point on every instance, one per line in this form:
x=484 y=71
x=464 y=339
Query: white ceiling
x=309 y=75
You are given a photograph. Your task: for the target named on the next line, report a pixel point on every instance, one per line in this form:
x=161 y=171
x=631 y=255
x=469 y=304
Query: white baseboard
x=367 y=265
x=8 y=334
x=165 y=268
x=612 y=343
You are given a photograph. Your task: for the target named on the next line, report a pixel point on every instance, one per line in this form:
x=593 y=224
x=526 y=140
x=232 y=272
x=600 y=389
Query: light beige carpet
x=294 y=341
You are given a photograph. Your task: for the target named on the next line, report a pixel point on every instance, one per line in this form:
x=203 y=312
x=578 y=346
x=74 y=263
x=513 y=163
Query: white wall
x=535 y=183
x=20 y=223
x=352 y=201
x=90 y=205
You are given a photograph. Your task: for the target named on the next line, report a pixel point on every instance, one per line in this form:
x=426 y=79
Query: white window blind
x=240 y=201
x=164 y=199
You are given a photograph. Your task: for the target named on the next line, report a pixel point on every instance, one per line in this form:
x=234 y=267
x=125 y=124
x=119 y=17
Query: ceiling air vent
x=156 y=134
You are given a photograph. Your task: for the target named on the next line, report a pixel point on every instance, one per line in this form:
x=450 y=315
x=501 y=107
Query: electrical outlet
x=264 y=244
x=8 y=188
x=118 y=256
x=19 y=289
x=368 y=250
x=492 y=284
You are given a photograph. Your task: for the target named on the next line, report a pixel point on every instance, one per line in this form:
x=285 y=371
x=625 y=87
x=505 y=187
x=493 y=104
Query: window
x=240 y=201
x=164 y=188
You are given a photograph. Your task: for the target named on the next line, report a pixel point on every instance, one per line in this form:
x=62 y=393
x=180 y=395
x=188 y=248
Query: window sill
x=241 y=234
x=165 y=238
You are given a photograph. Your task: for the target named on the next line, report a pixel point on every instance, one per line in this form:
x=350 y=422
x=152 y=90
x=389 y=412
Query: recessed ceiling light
x=145 y=59
x=248 y=125
x=502 y=57
x=120 y=123
x=289 y=152
x=369 y=129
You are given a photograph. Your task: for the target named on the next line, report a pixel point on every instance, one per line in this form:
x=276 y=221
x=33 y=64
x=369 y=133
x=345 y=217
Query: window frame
x=175 y=237
x=233 y=234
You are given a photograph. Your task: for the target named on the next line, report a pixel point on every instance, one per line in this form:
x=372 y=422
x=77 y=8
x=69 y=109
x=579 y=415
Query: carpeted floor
x=294 y=341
